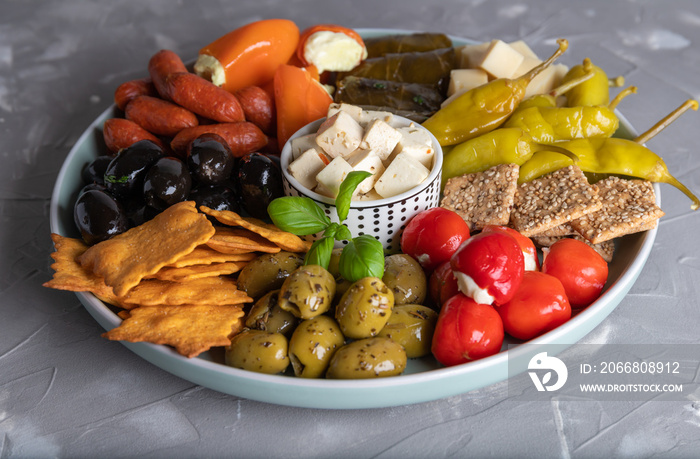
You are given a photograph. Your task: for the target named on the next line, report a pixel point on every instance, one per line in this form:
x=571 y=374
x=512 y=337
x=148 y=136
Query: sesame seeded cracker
x=553 y=200
x=483 y=198
x=629 y=206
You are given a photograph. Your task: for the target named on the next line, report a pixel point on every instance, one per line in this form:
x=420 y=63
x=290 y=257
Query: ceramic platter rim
x=418 y=387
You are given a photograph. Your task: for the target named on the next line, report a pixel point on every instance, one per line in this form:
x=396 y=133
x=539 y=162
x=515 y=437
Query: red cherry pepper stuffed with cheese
x=539 y=305
x=581 y=270
x=466 y=331
x=432 y=236
x=489 y=267
x=532 y=262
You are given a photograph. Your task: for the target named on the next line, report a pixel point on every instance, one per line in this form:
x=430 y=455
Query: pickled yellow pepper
x=485 y=107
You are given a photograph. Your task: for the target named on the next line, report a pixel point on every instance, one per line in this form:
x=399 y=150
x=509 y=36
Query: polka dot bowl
x=385 y=219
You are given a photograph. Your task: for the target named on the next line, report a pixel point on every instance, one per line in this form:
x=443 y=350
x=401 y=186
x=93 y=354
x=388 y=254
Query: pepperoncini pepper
x=485 y=107
x=552 y=98
x=551 y=124
x=542 y=163
x=624 y=157
x=500 y=146
x=595 y=91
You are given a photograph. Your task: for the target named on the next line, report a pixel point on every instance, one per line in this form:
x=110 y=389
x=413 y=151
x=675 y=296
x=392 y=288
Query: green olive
x=334 y=264
x=259 y=351
x=365 y=308
x=307 y=292
x=312 y=345
x=368 y=358
x=406 y=278
x=267 y=315
x=412 y=326
x=267 y=272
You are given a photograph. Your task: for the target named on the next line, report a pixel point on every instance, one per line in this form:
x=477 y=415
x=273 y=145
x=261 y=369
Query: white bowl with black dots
x=385 y=219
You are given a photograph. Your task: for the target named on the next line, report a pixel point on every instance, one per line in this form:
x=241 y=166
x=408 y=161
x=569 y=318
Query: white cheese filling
x=469 y=288
x=210 y=68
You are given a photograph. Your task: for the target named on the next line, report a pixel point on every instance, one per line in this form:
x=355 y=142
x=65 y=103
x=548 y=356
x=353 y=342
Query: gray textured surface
x=66 y=392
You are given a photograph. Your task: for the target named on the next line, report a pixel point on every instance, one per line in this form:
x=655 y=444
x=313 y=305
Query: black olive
x=95 y=171
x=92 y=186
x=142 y=214
x=260 y=181
x=209 y=159
x=217 y=197
x=167 y=182
x=124 y=175
x=99 y=216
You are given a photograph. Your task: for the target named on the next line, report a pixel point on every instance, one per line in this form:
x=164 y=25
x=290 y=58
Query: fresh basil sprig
x=363 y=256
x=297 y=215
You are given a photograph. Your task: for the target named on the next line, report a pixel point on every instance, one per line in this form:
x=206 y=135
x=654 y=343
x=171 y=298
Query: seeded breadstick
x=629 y=206
x=483 y=198
x=553 y=200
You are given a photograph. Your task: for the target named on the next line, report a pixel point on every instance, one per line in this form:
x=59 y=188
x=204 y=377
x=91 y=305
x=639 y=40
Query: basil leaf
x=362 y=257
x=298 y=215
x=320 y=252
x=331 y=230
x=347 y=188
x=343 y=233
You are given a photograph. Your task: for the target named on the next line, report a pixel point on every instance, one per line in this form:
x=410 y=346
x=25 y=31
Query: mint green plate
x=424 y=379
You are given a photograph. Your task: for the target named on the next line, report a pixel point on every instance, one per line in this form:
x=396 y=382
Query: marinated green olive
x=412 y=326
x=313 y=344
x=406 y=279
x=259 y=351
x=267 y=272
x=365 y=308
x=307 y=292
x=267 y=315
x=368 y=358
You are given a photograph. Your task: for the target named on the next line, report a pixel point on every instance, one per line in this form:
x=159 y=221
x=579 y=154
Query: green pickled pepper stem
x=666 y=121
x=484 y=108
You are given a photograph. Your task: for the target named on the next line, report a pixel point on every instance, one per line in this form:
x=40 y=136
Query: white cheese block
x=323 y=191
x=368 y=161
x=369 y=115
x=371 y=195
x=419 y=151
x=381 y=138
x=469 y=55
x=462 y=80
x=546 y=80
x=401 y=175
x=306 y=167
x=352 y=110
x=333 y=175
x=523 y=48
x=302 y=143
x=339 y=135
x=500 y=60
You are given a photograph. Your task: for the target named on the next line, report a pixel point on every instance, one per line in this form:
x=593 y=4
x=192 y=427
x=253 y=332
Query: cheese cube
x=416 y=143
x=352 y=110
x=462 y=80
x=323 y=191
x=381 y=138
x=333 y=175
x=401 y=175
x=369 y=115
x=306 y=167
x=371 y=195
x=528 y=64
x=500 y=60
x=547 y=80
x=339 y=135
x=522 y=47
x=302 y=143
x=472 y=54
x=369 y=161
